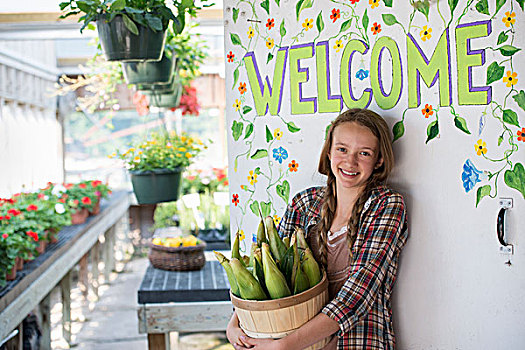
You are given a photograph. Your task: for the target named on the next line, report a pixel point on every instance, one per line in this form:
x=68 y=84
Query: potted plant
x=80 y=199
x=131 y=30
x=156 y=165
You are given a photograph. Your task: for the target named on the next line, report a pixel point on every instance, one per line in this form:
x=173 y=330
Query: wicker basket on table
x=177 y=259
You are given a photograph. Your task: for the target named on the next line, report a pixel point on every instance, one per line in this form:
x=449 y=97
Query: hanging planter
x=165 y=100
x=158 y=88
x=149 y=72
x=120 y=44
x=156 y=186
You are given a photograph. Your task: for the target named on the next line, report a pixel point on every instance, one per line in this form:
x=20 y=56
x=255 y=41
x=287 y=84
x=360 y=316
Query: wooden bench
x=186 y=302
x=32 y=288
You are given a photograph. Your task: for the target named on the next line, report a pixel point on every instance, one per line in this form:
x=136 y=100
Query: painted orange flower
x=235 y=199
x=230 y=56
x=425 y=33
x=374 y=3
x=521 y=135
x=276 y=220
x=242 y=88
x=376 y=28
x=427 y=111
x=270 y=23
x=481 y=147
x=293 y=166
x=511 y=78
x=509 y=18
x=336 y=14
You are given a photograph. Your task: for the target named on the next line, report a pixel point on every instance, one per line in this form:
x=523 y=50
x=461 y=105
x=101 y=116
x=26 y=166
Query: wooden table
x=191 y=301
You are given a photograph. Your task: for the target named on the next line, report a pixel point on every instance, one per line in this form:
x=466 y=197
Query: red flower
x=230 y=57
x=235 y=199
x=242 y=88
x=354 y=1
x=62 y=200
x=41 y=196
x=11 y=201
x=521 y=135
x=5 y=235
x=82 y=185
x=141 y=104
x=270 y=24
x=68 y=186
x=33 y=234
x=293 y=166
x=86 y=200
x=32 y=207
x=96 y=183
x=427 y=111
x=75 y=202
x=336 y=14
x=14 y=212
x=376 y=28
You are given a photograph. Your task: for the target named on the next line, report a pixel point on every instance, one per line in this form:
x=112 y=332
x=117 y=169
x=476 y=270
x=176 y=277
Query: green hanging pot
x=166 y=100
x=158 y=88
x=149 y=72
x=119 y=44
x=156 y=186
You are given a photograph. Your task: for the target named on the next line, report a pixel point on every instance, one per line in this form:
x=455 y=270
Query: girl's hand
x=236 y=335
x=262 y=344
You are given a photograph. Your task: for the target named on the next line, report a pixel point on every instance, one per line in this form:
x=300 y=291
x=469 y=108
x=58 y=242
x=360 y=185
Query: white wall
x=454 y=290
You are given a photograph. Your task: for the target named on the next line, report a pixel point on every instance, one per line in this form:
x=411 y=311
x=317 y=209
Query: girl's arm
x=235 y=334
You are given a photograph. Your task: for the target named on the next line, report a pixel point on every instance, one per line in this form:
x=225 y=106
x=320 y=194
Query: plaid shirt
x=363 y=305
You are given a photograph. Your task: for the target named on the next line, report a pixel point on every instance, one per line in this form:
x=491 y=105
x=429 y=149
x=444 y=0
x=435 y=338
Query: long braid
x=353 y=222
x=327 y=216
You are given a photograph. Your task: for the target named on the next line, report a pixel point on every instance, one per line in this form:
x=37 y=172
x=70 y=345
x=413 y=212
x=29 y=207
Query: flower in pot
x=156 y=165
x=80 y=199
x=131 y=30
x=99 y=190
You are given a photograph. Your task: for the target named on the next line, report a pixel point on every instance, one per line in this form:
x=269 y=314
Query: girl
x=357 y=227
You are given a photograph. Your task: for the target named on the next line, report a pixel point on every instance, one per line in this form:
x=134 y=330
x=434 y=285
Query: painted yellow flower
x=250 y=33
x=270 y=43
x=509 y=18
x=277 y=133
x=241 y=235
x=252 y=178
x=237 y=105
x=338 y=45
x=511 y=78
x=374 y=3
x=276 y=220
x=425 y=33
x=481 y=147
x=308 y=23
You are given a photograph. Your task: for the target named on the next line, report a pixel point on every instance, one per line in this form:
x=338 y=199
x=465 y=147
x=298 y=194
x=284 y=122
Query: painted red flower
x=242 y=88
x=336 y=14
x=235 y=199
x=32 y=207
x=293 y=166
x=86 y=200
x=230 y=56
x=521 y=135
x=354 y=1
x=376 y=28
x=270 y=23
x=427 y=111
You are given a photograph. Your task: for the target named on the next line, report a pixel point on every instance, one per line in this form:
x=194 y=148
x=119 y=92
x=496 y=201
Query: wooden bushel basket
x=280 y=317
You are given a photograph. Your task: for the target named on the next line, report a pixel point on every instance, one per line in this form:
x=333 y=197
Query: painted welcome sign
x=294 y=64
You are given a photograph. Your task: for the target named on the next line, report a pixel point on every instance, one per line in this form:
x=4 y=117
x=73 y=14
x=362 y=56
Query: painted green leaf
x=237 y=130
x=365 y=20
x=269 y=58
x=398 y=129
x=319 y=22
x=269 y=135
x=423 y=7
x=246 y=109
x=301 y=5
x=432 y=130
x=254 y=207
x=235 y=77
x=499 y=4
x=520 y=99
x=500 y=140
x=388 y=3
x=510 y=117
x=282 y=29
x=130 y=24
x=508 y=50
x=265 y=208
x=236 y=163
x=265 y=4
x=235 y=14
x=461 y=124
x=515 y=178
x=248 y=131
x=502 y=37
x=346 y=25
x=389 y=19
x=482 y=192
x=494 y=72
x=292 y=127
x=260 y=153
x=257 y=170
x=521 y=2
x=452 y=4
x=283 y=190
x=278 y=2
x=235 y=39
x=483 y=7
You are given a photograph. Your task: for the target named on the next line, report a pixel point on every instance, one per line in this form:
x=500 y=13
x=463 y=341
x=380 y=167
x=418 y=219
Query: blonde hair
x=377 y=125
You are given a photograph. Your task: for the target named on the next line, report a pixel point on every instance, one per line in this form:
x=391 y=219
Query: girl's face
x=354 y=155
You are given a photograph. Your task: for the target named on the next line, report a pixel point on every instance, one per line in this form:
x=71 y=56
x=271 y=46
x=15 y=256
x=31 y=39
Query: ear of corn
x=225 y=263
x=261 y=234
x=286 y=266
x=246 y=260
x=249 y=287
x=299 y=278
x=277 y=246
x=286 y=241
x=301 y=240
x=252 y=251
x=311 y=267
x=258 y=272
x=274 y=279
x=235 y=248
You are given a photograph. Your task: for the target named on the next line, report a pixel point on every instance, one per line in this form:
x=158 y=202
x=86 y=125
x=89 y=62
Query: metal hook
x=500 y=226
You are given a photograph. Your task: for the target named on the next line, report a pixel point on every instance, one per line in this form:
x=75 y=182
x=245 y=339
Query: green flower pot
x=119 y=44
x=169 y=100
x=149 y=72
x=157 y=186
x=158 y=88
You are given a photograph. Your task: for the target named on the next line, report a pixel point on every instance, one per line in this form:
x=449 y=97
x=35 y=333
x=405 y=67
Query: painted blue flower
x=470 y=176
x=279 y=154
x=362 y=74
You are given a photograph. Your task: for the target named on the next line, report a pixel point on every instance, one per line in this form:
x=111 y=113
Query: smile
x=349 y=173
